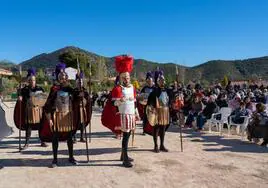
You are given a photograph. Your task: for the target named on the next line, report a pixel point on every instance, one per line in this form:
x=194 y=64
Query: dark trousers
x=28 y=133
x=82 y=130
x=125 y=140
x=200 y=121
x=159 y=130
x=55 y=145
x=145 y=119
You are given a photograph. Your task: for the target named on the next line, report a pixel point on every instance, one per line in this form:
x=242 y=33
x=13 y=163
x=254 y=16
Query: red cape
x=19 y=116
x=109 y=117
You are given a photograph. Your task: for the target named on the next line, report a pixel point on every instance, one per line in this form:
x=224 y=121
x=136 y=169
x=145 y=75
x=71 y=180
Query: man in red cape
x=123 y=99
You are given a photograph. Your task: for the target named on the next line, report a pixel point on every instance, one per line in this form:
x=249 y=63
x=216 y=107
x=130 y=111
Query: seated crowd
x=199 y=104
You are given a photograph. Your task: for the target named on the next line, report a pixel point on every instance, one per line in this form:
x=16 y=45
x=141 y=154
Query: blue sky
x=188 y=32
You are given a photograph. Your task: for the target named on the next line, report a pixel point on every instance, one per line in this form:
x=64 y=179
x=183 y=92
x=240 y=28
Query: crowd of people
x=67 y=109
x=193 y=104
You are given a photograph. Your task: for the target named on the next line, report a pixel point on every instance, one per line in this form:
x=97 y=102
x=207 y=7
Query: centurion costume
x=158 y=110
x=59 y=115
x=82 y=103
x=143 y=98
x=29 y=107
x=123 y=98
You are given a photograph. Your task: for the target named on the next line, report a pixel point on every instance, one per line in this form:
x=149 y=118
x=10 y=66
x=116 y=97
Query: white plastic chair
x=223 y=113
x=241 y=126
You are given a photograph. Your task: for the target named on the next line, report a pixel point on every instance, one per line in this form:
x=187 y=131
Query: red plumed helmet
x=124 y=63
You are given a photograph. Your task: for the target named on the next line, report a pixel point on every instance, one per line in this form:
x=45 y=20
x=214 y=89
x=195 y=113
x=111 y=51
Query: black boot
x=27 y=137
x=129 y=158
x=162 y=148
x=82 y=139
x=43 y=144
x=155 y=135
x=156 y=149
x=54 y=163
x=265 y=142
x=74 y=139
x=25 y=146
x=162 y=138
x=126 y=161
x=70 y=149
x=55 y=145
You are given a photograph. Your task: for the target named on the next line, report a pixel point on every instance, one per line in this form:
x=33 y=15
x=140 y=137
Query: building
x=5 y=72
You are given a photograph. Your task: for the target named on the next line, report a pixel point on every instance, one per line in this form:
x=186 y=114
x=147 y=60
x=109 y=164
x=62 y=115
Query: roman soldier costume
x=158 y=110
x=143 y=98
x=58 y=109
x=123 y=98
x=82 y=102
x=29 y=107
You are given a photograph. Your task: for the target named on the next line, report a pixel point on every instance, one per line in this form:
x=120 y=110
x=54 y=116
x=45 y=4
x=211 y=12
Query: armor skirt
x=128 y=122
x=33 y=115
x=163 y=116
x=63 y=122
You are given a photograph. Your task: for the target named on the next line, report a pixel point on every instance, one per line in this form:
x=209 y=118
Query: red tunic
x=111 y=118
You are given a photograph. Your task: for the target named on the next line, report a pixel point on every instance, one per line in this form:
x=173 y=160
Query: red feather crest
x=124 y=63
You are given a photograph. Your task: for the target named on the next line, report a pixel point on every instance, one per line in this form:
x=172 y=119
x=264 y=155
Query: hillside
x=254 y=68
x=141 y=66
x=5 y=64
x=210 y=71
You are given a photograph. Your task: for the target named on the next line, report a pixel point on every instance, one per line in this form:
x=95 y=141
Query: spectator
x=239 y=113
x=196 y=109
x=259 y=117
x=210 y=108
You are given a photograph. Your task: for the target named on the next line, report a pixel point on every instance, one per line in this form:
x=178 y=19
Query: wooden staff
x=81 y=90
x=177 y=79
x=20 y=109
x=89 y=96
x=133 y=136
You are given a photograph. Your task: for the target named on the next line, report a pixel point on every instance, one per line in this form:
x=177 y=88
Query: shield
x=151 y=115
x=19 y=115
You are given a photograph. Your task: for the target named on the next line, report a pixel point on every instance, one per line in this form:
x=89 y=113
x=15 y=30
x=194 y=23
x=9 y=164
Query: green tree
x=225 y=81
x=71 y=57
x=40 y=76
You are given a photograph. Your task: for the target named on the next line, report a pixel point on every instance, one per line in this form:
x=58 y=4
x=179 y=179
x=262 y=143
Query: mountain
x=141 y=66
x=210 y=71
x=253 y=68
x=50 y=60
x=5 y=64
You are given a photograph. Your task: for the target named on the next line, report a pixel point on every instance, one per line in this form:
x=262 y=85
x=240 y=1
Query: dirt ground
x=208 y=160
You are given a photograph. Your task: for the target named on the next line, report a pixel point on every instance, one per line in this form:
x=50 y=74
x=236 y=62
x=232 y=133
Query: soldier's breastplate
x=128 y=107
x=33 y=108
x=33 y=101
x=163 y=99
x=63 y=102
x=147 y=93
